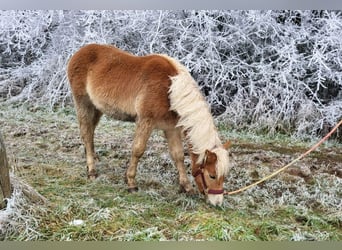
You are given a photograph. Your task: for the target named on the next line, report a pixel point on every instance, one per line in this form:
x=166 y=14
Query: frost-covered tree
x=260 y=70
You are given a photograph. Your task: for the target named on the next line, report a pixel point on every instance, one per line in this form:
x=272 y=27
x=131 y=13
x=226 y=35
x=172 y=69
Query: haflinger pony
x=157 y=92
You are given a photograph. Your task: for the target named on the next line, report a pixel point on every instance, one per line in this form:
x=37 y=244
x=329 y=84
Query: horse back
x=118 y=82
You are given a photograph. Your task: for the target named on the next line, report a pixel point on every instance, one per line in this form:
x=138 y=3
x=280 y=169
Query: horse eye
x=212 y=176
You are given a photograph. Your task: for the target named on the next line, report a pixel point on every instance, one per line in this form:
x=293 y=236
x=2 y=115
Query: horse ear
x=227 y=144
x=210 y=157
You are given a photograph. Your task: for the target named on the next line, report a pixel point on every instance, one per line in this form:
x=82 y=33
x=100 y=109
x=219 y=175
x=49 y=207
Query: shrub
x=273 y=71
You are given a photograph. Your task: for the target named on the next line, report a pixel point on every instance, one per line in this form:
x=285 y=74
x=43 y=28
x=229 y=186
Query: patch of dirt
x=326 y=160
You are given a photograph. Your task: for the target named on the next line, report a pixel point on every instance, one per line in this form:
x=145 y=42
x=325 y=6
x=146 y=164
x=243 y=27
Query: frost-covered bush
x=261 y=70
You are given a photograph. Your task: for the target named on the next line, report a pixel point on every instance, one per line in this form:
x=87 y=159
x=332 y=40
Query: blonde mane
x=195 y=117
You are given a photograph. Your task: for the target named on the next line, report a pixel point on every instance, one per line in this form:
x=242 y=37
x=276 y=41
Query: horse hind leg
x=142 y=133
x=176 y=149
x=88 y=118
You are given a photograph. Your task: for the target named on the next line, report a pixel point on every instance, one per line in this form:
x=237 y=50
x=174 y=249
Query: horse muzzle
x=214 y=199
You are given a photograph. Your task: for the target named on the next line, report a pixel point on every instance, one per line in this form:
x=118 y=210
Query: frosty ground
x=44 y=150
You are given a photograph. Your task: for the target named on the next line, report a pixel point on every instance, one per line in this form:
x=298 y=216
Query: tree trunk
x=5 y=186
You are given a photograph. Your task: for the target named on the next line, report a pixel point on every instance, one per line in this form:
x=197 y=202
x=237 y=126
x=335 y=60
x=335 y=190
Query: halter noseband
x=205 y=186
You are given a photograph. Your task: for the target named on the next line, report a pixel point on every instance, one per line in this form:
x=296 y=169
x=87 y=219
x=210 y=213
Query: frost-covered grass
x=45 y=151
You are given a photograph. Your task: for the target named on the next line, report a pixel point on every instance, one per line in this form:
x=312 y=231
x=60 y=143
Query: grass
x=44 y=150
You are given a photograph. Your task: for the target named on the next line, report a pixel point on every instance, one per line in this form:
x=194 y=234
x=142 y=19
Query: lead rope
x=288 y=165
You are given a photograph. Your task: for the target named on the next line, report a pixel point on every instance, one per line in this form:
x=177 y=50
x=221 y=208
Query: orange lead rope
x=288 y=165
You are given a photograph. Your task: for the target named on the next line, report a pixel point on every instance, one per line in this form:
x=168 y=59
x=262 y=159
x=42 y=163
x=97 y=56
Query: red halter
x=205 y=186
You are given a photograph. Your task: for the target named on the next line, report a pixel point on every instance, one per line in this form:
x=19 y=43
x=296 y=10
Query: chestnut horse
x=156 y=92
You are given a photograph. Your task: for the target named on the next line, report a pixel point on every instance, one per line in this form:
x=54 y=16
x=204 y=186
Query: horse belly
x=122 y=116
x=114 y=111
x=111 y=106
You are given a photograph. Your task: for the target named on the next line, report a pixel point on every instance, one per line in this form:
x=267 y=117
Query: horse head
x=208 y=177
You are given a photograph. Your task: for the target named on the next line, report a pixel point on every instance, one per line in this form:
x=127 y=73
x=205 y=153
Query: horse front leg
x=176 y=149
x=142 y=133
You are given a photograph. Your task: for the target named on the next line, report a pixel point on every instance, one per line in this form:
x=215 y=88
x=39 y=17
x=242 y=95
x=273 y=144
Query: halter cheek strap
x=205 y=186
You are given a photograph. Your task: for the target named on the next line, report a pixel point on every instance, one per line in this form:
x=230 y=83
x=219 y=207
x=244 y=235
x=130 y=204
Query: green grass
x=44 y=149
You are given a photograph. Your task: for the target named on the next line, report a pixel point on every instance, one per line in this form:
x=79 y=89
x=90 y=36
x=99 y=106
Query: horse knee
x=138 y=150
x=177 y=155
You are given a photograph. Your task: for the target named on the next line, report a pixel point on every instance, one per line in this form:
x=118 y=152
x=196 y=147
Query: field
x=45 y=151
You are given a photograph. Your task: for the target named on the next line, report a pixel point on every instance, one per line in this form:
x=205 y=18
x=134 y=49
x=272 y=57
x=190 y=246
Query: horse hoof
x=92 y=175
x=133 y=189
